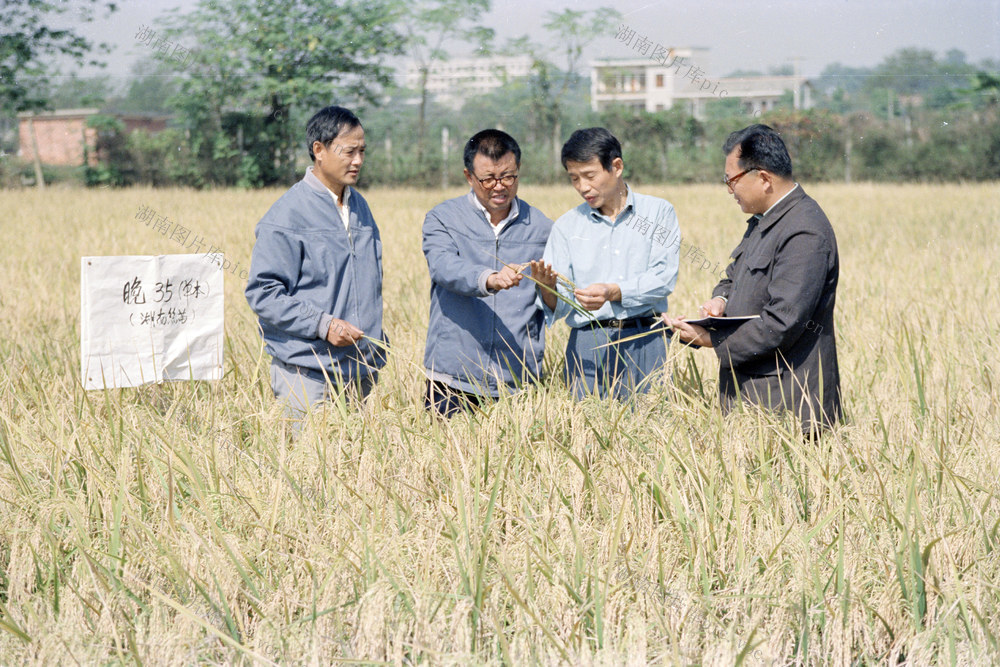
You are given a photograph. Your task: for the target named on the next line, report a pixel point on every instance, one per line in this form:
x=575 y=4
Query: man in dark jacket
x=785 y=270
x=486 y=335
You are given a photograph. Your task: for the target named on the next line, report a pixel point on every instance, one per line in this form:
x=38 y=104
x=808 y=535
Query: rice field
x=175 y=524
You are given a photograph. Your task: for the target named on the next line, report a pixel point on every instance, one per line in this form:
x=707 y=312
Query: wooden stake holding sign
x=150 y=318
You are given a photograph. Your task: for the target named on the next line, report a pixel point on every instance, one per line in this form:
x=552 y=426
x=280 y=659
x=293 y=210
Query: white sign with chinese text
x=150 y=318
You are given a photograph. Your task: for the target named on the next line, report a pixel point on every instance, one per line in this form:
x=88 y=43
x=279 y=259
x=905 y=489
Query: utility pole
x=39 y=176
x=444 y=157
x=388 y=153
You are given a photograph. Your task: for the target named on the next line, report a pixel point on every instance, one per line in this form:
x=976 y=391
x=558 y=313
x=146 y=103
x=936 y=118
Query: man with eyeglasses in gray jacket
x=486 y=335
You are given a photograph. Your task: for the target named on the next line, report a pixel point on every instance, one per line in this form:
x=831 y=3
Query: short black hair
x=493 y=144
x=585 y=145
x=760 y=147
x=327 y=124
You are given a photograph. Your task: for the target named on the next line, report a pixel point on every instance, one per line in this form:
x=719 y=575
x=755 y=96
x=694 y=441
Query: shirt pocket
x=366 y=244
x=507 y=251
x=378 y=262
x=759 y=264
x=753 y=286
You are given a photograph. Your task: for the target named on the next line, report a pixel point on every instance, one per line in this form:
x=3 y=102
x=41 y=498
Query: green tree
x=113 y=159
x=646 y=140
x=429 y=24
x=275 y=61
x=28 y=42
x=570 y=31
x=986 y=88
x=906 y=72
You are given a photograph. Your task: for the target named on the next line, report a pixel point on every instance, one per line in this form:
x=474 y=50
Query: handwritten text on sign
x=150 y=318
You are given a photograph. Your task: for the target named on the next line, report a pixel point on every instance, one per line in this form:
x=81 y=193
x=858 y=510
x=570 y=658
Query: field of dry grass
x=173 y=525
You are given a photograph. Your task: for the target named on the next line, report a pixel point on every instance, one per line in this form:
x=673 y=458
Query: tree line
x=239 y=79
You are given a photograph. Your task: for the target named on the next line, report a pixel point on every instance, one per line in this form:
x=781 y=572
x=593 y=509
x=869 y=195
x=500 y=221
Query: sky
x=741 y=35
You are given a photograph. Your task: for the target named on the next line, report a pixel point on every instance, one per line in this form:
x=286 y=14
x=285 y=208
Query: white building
x=451 y=81
x=682 y=75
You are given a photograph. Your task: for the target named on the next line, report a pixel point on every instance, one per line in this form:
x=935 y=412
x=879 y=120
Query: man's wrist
x=483 y=280
x=548 y=296
x=323 y=330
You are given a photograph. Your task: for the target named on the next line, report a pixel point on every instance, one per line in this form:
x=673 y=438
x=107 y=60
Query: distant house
x=63 y=137
x=681 y=76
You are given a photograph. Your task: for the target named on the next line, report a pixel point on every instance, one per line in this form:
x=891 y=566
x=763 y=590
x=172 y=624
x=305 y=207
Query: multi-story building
x=681 y=76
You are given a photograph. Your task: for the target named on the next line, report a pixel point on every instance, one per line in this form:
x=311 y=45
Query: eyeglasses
x=490 y=182
x=730 y=182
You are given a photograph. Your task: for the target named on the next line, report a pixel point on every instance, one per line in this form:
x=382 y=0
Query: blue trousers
x=618 y=370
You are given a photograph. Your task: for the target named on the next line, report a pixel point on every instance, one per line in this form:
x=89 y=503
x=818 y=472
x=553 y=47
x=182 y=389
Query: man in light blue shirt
x=613 y=261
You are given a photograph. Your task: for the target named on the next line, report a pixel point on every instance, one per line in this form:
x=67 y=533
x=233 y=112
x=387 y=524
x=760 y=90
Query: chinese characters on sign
x=149 y=318
x=133 y=293
x=659 y=54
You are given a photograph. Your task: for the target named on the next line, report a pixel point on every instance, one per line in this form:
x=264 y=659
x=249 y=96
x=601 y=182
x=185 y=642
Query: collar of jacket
x=780 y=209
x=470 y=197
x=317 y=186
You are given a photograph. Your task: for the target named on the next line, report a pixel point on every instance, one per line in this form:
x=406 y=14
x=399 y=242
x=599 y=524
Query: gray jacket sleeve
x=273 y=270
x=447 y=267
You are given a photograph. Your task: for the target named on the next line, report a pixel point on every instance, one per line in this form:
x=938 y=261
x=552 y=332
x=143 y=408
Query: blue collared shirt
x=638 y=250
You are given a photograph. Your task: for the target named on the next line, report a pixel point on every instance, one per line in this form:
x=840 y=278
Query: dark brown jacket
x=785 y=270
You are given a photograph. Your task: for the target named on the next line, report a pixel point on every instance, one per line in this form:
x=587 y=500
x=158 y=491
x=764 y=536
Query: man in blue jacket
x=316 y=273
x=486 y=335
